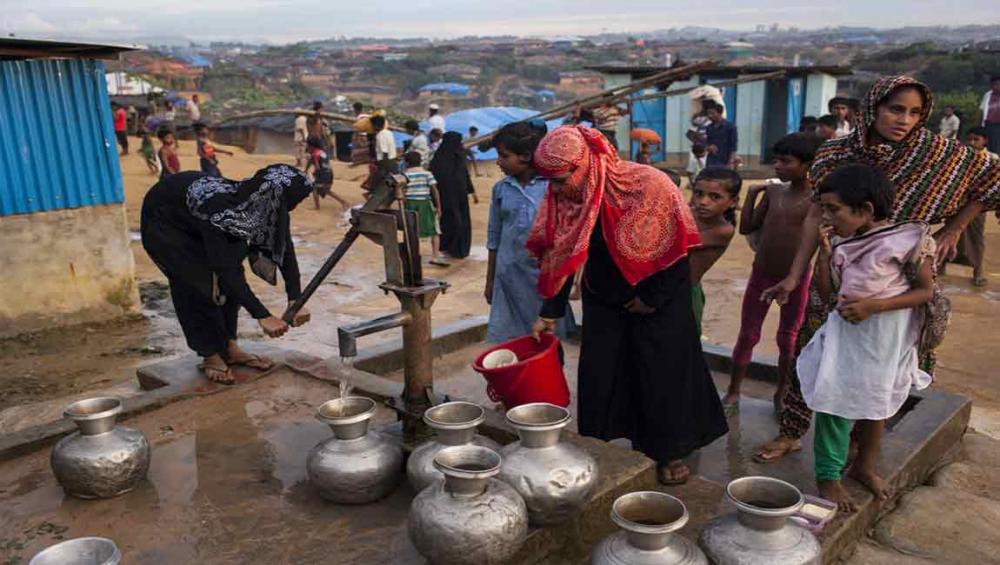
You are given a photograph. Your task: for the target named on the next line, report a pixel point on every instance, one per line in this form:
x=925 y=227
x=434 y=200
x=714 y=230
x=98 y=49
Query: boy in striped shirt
x=422 y=198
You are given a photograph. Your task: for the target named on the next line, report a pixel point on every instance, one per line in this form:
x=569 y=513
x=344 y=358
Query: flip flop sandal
x=771 y=452
x=676 y=474
x=218 y=375
x=255 y=362
x=979 y=281
x=437 y=263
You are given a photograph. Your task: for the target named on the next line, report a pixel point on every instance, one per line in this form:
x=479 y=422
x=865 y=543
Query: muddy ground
x=66 y=361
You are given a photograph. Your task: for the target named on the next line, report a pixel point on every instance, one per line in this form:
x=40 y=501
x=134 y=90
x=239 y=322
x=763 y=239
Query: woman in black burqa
x=454 y=185
x=198 y=229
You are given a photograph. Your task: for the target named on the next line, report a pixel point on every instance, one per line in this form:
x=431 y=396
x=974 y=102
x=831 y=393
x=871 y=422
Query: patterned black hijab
x=254 y=209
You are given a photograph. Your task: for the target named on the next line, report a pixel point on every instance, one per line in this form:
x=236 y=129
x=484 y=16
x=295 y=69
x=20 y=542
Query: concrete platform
x=228 y=471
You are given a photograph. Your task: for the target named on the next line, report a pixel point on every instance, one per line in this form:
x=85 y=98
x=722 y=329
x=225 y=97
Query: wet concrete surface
x=227 y=484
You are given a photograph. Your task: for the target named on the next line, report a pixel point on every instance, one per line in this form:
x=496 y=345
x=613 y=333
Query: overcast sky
x=294 y=20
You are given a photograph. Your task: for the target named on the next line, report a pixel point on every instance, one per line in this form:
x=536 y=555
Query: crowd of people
x=843 y=244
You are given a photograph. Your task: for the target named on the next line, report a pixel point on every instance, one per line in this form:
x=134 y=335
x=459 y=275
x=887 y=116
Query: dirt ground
x=66 y=361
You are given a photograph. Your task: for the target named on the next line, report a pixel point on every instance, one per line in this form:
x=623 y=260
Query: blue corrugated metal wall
x=57 y=144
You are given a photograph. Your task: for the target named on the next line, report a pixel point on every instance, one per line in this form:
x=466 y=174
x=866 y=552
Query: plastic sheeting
x=488 y=119
x=449 y=87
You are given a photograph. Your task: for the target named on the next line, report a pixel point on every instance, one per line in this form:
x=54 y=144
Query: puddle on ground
x=227 y=484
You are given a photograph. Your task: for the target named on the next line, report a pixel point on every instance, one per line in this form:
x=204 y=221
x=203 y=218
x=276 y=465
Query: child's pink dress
x=865 y=371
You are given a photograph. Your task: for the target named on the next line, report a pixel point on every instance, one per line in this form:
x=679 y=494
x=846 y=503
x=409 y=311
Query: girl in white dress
x=862 y=363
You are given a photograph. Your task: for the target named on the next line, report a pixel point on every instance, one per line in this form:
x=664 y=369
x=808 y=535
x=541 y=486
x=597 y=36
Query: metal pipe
x=328 y=265
x=347 y=336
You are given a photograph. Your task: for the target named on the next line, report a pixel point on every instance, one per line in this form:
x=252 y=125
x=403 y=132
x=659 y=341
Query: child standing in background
x=148 y=151
x=319 y=162
x=714 y=198
x=862 y=362
x=207 y=153
x=512 y=273
x=422 y=197
x=775 y=223
x=169 y=161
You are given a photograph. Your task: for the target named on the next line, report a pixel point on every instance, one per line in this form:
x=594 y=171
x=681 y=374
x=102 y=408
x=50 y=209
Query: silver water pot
x=759 y=532
x=100 y=460
x=648 y=521
x=468 y=517
x=454 y=423
x=554 y=478
x=356 y=465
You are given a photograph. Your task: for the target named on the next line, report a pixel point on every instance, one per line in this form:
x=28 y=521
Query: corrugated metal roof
x=57 y=144
x=26 y=48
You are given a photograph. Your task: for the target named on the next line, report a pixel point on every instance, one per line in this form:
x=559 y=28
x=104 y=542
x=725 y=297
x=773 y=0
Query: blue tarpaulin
x=488 y=119
x=449 y=87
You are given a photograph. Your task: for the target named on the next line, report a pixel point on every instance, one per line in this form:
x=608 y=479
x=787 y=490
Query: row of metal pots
x=475 y=498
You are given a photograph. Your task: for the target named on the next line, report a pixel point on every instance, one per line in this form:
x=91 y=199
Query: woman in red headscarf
x=642 y=372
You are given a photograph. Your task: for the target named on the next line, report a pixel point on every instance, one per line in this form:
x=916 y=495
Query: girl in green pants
x=861 y=364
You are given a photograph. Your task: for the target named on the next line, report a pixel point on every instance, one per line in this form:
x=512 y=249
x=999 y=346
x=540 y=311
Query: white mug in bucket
x=499 y=358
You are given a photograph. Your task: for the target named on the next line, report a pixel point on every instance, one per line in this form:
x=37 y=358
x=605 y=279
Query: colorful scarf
x=934 y=176
x=644 y=220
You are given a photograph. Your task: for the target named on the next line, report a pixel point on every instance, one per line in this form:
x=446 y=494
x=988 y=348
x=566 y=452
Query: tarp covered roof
x=488 y=119
x=449 y=87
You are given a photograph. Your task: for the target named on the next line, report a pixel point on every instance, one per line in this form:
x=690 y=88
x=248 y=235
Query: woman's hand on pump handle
x=273 y=326
x=301 y=317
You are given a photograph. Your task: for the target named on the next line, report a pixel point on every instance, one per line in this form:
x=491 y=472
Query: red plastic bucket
x=536 y=377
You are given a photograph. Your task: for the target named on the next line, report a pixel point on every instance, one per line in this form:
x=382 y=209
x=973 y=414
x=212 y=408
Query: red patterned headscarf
x=644 y=220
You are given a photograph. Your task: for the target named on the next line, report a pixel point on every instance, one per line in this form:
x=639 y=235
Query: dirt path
x=61 y=362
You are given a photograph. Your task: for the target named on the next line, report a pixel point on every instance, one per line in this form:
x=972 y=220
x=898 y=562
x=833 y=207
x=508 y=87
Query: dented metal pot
x=454 y=423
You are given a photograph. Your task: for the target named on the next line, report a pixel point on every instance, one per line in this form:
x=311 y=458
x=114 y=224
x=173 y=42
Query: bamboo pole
x=327 y=115
x=723 y=84
x=609 y=96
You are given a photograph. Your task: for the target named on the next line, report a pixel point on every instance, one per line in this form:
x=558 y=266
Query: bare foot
x=870 y=479
x=834 y=491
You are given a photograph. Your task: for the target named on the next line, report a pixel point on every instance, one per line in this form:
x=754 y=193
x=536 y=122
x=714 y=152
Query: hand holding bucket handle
x=543 y=325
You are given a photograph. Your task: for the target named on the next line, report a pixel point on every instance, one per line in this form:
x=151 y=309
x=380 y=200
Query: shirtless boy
x=776 y=221
x=715 y=195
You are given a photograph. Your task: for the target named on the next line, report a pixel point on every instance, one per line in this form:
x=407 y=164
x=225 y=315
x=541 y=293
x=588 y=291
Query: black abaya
x=454 y=186
x=204 y=264
x=642 y=377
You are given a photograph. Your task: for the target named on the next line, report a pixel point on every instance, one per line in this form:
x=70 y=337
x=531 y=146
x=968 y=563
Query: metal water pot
x=356 y=465
x=454 y=423
x=469 y=517
x=79 y=551
x=648 y=521
x=100 y=460
x=554 y=478
x=759 y=533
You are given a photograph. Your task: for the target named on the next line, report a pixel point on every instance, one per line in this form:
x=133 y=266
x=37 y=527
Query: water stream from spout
x=345 y=383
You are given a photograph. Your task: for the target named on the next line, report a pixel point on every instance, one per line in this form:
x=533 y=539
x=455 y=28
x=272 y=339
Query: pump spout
x=347 y=337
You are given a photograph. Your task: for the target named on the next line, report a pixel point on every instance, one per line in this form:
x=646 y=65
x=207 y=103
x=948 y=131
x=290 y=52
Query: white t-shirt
x=843 y=130
x=301 y=129
x=193 y=111
x=421 y=145
x=436 y=122
x=385 y=145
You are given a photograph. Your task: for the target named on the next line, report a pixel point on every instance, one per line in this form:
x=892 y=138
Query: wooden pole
x=751 y=78
x=610 y=95
x=327 y=115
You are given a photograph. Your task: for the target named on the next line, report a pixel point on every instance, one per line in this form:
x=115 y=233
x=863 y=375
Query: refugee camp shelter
x=66 y=255
x=763 y=111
